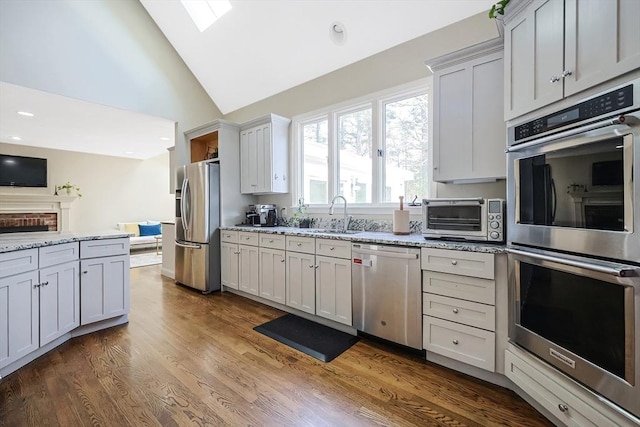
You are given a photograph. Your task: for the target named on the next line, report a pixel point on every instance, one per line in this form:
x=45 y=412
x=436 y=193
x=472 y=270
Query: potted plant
x=68 y=187
x=300 y=216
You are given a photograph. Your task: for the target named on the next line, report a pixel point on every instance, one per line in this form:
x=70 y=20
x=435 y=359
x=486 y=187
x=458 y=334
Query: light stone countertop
x=14 y=242
x=415 y=240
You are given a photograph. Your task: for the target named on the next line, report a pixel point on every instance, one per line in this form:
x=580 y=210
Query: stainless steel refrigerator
x=197 y=221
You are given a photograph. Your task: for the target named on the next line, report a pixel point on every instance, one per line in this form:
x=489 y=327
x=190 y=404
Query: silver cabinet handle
x=85 y=272
x=45 y=283
x=455 y=342
x=276 y=176
x=455 y=310
x=282 y=260
x=237 y=253
x=563 y=407
x=299 y=244
x=311 y=266
x=454 y=262
x=270 y=240
x=566 y=73
x=316 y=266
x=36 y=286
x=247 y=238
x=331 y=248
x=554 y=79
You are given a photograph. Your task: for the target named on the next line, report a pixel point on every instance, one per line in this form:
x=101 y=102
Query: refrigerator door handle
x=185 y=214
x=189 y=246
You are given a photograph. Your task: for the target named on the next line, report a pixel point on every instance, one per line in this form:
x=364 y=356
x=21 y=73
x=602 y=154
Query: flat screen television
x=18 y=171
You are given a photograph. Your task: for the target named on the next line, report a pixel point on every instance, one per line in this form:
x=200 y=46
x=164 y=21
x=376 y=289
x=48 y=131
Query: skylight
x=206 y=12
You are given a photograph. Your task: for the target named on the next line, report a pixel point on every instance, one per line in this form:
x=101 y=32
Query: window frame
x=376 y=101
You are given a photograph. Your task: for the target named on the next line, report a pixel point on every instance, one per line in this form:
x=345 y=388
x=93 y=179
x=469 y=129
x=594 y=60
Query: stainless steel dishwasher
x=387 y=295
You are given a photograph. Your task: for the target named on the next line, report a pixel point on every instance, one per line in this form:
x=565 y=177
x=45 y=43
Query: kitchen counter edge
x=11 y=243
x=383 y=238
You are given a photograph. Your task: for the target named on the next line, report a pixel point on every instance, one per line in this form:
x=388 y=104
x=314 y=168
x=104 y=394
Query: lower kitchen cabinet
x=19 y=316
x=272 y=274
x=105 y=288
x=59 y=290
x=300 y=281
x=248 y=269
x=333 y=289
x=229 y=264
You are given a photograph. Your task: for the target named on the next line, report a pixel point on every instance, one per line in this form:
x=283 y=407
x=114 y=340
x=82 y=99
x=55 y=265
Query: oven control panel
x=604 y=104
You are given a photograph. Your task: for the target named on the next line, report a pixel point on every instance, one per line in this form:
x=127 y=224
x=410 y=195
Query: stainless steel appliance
x=574 y=177
x=581 y=316
x=197 y=257
x=262 y=215
x=573 y=239
x=387 y=294
x=472 y=219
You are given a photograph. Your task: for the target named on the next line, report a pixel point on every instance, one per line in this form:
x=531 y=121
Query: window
x=371 y=150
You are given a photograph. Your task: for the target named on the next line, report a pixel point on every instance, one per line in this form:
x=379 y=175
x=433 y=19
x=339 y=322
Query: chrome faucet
x=347 y=218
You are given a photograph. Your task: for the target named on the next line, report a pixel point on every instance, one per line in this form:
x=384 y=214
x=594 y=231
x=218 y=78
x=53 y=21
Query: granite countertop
x=12 y=242
x=383 y=238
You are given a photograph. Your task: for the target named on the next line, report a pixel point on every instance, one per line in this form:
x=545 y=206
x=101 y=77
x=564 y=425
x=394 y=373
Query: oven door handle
x=621 y=120
x=611 y=271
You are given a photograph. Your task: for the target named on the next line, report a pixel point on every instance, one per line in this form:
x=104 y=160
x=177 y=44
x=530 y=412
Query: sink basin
x=332 y=231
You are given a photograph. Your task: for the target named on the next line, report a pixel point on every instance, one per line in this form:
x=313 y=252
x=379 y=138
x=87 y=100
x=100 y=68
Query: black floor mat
x=311 y=338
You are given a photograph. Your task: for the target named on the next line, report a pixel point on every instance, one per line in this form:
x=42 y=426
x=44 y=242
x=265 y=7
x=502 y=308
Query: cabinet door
x=272 y=274
x=229 y=264
x=248 y=269
x=333 y=289
x=59 y=300
x=104 y=286
x=301 y=282
x=248 y=162
x=264 y=158
x=468 y=118
x=18 y=316
x=534 y=56
x=600 y=45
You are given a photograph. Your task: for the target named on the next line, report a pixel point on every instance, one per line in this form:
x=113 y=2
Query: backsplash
x=415 y=227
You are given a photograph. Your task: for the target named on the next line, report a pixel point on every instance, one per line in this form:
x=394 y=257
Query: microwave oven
x=470 y=219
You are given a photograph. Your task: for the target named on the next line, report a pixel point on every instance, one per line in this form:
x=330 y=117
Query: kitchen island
x=41 y=305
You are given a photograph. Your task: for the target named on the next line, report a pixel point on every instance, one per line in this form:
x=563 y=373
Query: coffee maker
x=262 y=215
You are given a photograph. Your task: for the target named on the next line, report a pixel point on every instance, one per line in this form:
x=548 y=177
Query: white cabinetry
x=264 y=155
x=272 y=267
x=459 y=295
x=248 y=274
x=168 y=249
x=300 y=273
x=556 y=48
x=229 y=259
x=469 y=130
x=105 y=282
x=568 y=401
x=333 y=280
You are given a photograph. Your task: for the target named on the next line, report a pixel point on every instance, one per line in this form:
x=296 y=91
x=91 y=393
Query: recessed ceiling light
x=26 y=113
x=164 y=138
x=338 y=33
x=128 y=152
x=205 y=13
x=16 y=138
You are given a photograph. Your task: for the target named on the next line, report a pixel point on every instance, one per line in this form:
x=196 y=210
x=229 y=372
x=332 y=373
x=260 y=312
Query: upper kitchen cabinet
x=204 y=147
x=264 y=159
x=468 y=126
x=556 y=48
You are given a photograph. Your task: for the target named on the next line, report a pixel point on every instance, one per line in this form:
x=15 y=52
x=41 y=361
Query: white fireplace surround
x=35 y=203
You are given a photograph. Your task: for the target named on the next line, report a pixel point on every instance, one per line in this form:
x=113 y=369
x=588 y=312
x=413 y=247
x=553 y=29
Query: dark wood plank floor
x=189 y=359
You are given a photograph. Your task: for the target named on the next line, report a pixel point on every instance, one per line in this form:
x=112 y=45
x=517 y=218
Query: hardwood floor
x=189 y=359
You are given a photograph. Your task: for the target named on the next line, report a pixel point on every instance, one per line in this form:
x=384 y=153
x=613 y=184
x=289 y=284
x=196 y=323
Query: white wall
x=114 y=189
x=103 y=51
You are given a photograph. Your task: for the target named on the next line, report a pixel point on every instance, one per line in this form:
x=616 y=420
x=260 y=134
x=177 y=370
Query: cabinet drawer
x=305 y=245
x=248 y=238
x=463 y=343
x=552 y=391
x=466 y=312
x=475 y=264
x=229 y=236
x=58 y=254
x=18 y=262
x=334 y=248
x=104 y=247
x=273 y=241
x=462 y=287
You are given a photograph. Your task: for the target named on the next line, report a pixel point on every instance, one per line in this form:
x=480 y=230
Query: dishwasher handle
x=387 y=254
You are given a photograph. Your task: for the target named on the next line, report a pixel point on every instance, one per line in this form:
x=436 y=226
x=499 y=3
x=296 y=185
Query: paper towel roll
x=400 y=222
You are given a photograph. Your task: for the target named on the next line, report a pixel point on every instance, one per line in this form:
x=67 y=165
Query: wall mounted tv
x=18 y=171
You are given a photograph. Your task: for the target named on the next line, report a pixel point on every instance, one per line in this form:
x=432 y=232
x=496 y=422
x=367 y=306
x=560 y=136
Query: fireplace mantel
x=37 y=203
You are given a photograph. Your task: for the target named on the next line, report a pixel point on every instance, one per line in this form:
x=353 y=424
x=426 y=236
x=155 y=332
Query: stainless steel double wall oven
x=573 y=232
